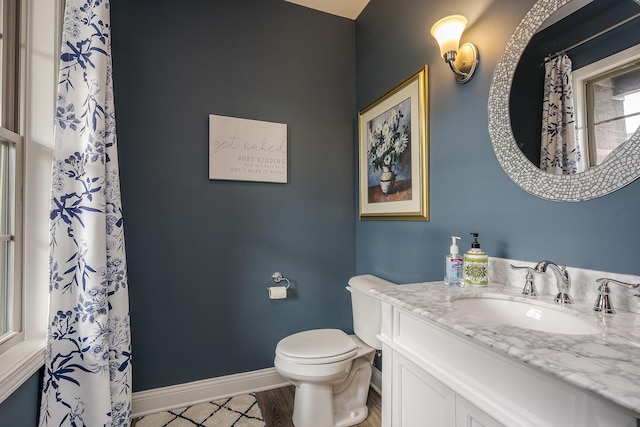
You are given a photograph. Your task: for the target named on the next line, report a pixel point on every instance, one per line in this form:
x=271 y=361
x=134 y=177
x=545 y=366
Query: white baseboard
x=181 y=395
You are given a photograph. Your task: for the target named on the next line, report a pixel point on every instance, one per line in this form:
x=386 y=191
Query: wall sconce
x=462 y=60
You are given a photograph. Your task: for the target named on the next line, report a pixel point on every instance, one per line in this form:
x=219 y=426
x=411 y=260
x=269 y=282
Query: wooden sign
x=247 y=150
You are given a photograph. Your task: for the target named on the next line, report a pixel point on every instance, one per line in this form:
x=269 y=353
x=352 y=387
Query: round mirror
x=617 y=170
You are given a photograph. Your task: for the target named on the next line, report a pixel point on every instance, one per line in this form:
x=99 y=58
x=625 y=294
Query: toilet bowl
x=330 y=369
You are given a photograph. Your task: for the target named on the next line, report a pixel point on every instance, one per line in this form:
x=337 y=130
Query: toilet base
x=339 y=405
x=350 y=397
x=312 y=405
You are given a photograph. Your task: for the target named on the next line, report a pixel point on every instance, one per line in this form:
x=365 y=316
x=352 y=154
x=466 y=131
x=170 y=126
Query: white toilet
x=330 y=369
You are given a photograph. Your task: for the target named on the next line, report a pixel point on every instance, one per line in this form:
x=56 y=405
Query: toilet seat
x=317 y=346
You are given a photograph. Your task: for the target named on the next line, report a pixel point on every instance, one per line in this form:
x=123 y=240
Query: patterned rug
x=238 y=411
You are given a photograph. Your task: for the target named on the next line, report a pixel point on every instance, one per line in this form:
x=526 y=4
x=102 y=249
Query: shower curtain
x=559 y=151
x=87 y=378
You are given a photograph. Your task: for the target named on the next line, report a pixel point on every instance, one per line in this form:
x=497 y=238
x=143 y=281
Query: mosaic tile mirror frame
x=616 y=172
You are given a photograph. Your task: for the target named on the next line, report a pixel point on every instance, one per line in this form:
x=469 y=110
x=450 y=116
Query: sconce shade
x=447 y=32
x=462 y=60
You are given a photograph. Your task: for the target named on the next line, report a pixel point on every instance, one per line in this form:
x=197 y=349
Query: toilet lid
x=318 y=346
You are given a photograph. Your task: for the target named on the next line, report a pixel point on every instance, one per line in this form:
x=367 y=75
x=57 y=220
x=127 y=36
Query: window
x=10 y=236
x=607 y=95
x=27 y=108
x=614 y=110
x=10 y=180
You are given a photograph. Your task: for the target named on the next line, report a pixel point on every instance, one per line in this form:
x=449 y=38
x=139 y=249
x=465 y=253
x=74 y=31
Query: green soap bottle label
x=476 y=270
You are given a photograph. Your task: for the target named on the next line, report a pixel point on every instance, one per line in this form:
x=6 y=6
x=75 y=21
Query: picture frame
x=393 y=153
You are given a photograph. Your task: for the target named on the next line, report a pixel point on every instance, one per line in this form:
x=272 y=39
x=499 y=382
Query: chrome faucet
x=603 y=303
x=563 y=281
x=529 y=289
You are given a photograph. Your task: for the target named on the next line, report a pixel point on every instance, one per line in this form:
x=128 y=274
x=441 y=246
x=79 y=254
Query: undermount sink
x=522 y=314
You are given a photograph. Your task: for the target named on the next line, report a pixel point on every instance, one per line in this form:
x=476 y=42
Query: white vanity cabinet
x=434 y=376
x=419 y=400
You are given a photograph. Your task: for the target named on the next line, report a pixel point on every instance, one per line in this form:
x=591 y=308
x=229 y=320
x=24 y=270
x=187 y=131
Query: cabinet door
x=418 y=399
x=468 y=415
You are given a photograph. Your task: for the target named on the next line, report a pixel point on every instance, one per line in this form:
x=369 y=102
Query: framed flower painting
x=394 y=160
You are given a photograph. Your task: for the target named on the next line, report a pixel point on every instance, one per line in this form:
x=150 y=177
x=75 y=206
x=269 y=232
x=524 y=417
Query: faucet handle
x=603 y=302
x=529 y=286
x=606 y=280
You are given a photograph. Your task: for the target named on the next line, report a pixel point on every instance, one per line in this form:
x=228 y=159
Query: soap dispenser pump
x=476 y=265
x=453 y=264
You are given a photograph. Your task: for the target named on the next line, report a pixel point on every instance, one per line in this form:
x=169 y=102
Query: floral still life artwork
x=393 y=153
x=389 y=154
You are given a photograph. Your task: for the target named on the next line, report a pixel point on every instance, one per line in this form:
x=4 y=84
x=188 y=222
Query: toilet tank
x=367 y=309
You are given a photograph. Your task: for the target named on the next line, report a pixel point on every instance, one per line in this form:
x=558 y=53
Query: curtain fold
x=559 y=150
x=87 y=378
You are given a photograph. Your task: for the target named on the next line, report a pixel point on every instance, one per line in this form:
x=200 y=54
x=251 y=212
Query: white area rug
x=238 y=411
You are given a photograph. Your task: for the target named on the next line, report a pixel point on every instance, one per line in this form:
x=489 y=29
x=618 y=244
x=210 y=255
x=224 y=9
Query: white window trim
x=41 y=31
x=18 y=364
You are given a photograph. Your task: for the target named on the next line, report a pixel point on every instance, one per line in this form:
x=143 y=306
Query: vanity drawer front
x=423 y=339
x=420 y=400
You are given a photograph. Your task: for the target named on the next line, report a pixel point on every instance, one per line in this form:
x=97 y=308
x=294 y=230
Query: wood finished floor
x=277 y=407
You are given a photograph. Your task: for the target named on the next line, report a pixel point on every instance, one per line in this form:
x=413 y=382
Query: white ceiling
x=345 y=8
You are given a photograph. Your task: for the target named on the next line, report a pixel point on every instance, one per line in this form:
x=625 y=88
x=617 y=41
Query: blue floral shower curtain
x=559 y=151
x=87 y=380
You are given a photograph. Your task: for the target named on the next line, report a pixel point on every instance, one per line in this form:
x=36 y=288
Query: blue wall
x=469 y=190
x=22 y=407
x=201 y=253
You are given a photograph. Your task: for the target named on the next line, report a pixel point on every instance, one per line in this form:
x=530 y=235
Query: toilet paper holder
x=278 y=277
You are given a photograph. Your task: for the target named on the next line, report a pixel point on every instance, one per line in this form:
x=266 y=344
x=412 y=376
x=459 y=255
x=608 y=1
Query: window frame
x=9 y=132
x=583 y=103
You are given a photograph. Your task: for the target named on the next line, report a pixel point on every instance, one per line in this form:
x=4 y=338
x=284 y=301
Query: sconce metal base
x=465 y=62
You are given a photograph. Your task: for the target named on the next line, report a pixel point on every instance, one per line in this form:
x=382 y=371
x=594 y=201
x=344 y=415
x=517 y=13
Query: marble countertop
x=606 y=364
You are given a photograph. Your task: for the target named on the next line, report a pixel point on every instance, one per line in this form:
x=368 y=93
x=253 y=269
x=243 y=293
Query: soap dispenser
x=453 y=263
x=476 y=265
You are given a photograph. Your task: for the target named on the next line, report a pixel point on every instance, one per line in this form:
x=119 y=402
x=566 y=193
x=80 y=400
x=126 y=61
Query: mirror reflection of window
x=608 y=107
